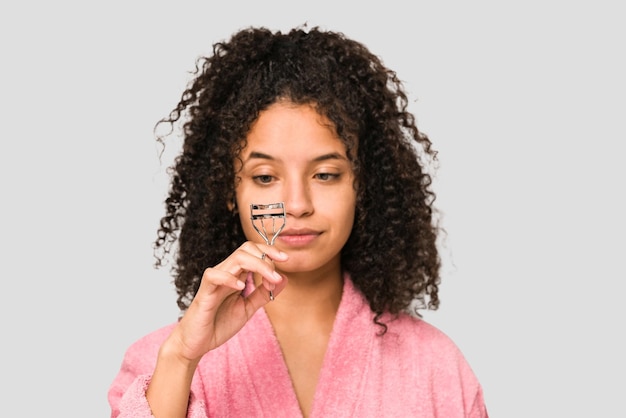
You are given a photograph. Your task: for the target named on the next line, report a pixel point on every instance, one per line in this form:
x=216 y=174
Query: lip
x=297 y=237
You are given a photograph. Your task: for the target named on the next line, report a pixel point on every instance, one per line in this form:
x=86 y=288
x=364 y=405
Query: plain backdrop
x=525 y=102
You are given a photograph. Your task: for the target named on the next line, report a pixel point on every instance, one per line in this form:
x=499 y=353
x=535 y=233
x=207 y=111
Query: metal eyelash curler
x=262 y=215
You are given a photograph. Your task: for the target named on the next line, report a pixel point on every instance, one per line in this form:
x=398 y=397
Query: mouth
x=298 y=237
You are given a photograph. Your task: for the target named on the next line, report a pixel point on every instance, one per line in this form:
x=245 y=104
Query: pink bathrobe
x=414 y=370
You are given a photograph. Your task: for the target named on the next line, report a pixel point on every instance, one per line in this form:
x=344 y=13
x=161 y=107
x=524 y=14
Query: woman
x=324 y=322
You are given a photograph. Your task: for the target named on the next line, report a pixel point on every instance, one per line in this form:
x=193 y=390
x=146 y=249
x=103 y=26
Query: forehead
x=284 y=126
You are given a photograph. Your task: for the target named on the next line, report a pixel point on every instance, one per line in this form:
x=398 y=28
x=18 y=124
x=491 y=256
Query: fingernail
x=277 y=275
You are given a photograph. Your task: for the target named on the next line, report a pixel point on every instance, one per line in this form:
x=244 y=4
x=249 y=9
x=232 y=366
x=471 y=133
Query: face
x=293 y=156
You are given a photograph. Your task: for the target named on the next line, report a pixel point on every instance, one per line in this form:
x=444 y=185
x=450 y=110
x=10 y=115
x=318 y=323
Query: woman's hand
x=219 y=310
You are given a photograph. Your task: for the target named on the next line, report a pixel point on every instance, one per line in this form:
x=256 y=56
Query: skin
x=293 y=156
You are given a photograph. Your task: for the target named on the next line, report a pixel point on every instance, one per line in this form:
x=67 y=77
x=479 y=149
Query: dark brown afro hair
x=391 y=254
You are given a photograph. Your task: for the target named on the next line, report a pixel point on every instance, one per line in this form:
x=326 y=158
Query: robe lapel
x=269 y=383
x=343 y=374
x=344 y=370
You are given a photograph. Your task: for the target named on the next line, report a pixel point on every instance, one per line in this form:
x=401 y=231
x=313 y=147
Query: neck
x=311 y=297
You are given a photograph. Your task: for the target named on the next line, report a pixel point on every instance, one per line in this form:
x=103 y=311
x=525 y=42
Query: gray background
x=525 y=102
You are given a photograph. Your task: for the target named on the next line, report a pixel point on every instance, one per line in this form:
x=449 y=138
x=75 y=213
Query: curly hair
x=391 y=254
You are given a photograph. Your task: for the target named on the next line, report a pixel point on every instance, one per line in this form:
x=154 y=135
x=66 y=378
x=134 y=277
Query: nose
x=298 y=199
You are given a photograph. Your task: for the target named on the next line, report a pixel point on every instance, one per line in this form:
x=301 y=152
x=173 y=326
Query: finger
x=265 y=268
x=213 y=278
x=270 y=251
x=261 y=295
x=268 y=259
x=260 y=264
x=238 y=265
x=273 y=253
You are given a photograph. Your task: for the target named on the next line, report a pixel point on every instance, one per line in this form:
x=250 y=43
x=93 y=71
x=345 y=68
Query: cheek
x=244 y=209
x=249 y=231
x=349 y=223
x=246 y=224
x=347 y=216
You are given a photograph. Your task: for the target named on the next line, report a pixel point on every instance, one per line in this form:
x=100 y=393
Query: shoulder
x=407 y=337
x=434 y=368
x=432 y=351
x=145 y=349
x=419 y=334
x=137 y=366
x=434 y=371
x=401 y=329
x=154 y=338
x=414 y=327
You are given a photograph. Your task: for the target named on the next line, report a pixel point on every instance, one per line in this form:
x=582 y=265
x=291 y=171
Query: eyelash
x=329 y=176
x=325 y=177
x=259 y=179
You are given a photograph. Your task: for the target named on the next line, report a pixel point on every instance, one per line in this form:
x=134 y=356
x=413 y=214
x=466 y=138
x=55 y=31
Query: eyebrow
x=323 y=157
x=330 y=156
x=259 y=155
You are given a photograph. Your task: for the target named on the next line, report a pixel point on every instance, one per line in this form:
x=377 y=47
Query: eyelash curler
x=262 y=215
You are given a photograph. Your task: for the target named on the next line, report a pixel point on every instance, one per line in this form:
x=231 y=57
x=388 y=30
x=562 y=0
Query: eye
x=263 y=179
x=326 y=176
